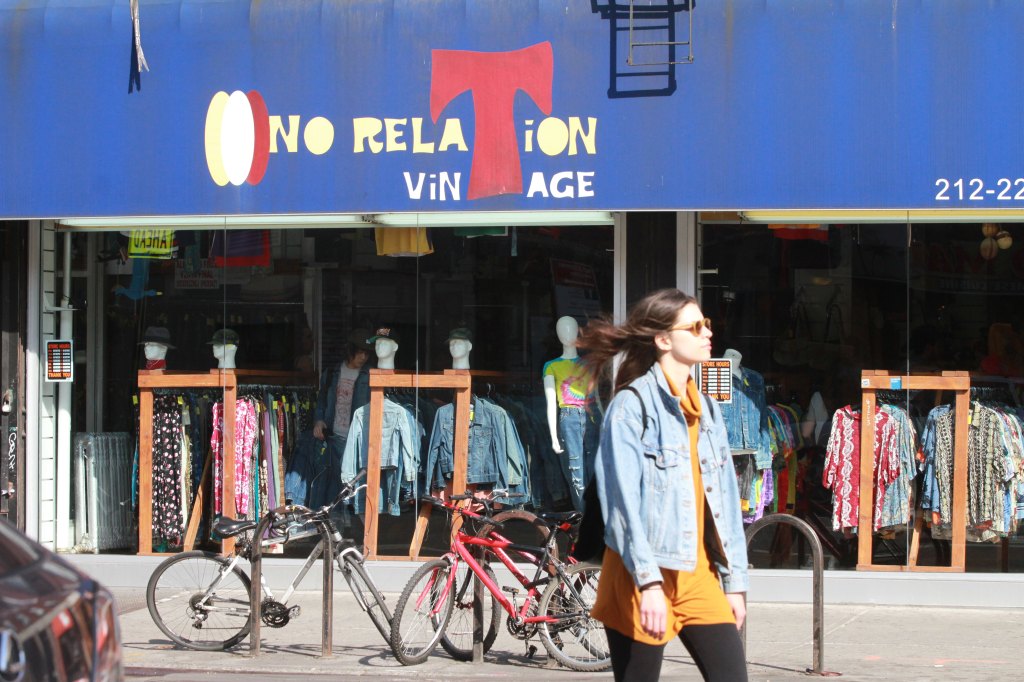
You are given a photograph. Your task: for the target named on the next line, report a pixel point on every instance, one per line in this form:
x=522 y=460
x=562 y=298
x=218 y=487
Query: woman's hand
x=738 y=603
x=318 y=430
x=653 y=611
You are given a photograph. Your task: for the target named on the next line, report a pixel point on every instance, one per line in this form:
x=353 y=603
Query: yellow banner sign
x=151 y=244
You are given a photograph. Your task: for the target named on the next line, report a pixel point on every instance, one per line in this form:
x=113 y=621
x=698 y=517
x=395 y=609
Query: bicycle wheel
x=520 y=526
x=367 y=595
x=422 y=612
x=198 y=603
x=575 y=639
x=458 y=635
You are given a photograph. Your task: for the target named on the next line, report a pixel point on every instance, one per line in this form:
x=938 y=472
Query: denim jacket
x=496 y=453
x=399 y=453
x=640 y=479
x=746 y=419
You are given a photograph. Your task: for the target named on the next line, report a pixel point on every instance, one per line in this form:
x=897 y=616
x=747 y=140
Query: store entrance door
x=13 y=257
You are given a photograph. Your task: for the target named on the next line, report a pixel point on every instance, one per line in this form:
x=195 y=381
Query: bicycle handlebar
x=465 y=511
x=290 y=516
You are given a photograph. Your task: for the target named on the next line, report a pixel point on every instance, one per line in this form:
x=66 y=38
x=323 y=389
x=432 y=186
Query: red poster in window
x=240 y=248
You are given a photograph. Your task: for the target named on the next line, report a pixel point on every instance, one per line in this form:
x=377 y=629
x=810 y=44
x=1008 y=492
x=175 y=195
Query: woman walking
x=676 y=559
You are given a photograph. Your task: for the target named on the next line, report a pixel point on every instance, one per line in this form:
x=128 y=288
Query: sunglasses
x=695 y=328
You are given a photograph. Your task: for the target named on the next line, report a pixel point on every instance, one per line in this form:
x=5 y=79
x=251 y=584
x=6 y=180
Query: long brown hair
x=603 y=340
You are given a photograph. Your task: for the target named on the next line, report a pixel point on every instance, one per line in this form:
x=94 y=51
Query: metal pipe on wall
x=63 y=535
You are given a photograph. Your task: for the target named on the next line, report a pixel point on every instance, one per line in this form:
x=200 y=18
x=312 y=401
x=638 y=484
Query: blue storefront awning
x=341 y=106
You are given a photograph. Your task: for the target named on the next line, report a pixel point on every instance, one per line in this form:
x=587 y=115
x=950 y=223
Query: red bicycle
x=555 y=605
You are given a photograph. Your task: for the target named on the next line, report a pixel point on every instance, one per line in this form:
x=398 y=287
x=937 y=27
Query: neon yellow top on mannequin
x=572 y=381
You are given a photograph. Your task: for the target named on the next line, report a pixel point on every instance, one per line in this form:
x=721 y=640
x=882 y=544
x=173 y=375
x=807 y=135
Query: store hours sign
x=60 y=361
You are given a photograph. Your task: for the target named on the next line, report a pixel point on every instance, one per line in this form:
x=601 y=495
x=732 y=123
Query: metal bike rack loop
x=256 y=587
x=817 y=595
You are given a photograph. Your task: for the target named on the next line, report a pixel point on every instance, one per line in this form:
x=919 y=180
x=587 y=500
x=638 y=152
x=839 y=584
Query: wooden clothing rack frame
x=876 y=380
x=380 y=379
x=228 y=380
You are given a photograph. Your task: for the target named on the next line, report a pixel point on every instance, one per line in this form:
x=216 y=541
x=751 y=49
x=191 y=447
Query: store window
x=301 y=316
x=806 y=310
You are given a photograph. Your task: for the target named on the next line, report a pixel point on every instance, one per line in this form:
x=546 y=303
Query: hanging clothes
x=402 y=241
x=995 y=464
x=400 y=454
x=496 y=457
x=842 y=465
x=746 y=418
x=168 y=520
x=246 y=429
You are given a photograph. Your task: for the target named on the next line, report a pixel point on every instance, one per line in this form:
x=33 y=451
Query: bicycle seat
x=561 y=517
x=228 y=527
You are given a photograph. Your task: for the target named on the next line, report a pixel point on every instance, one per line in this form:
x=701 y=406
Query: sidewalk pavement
x=860 y=642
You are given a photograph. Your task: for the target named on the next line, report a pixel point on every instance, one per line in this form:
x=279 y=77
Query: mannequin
x=225 y=355
x=746 y=417
x=572 y=429
x=156 y=354
x=567 y=330
x=155 y=343
x=460 y=344
x=737 y=359
x=385 y=345
x=225 y=345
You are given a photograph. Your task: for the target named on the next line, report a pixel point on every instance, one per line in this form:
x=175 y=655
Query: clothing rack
x=381 y=380
x=871 y=382
x=226 y=379
x=1012 y=386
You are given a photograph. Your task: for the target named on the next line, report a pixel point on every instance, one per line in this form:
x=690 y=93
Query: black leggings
x=716 y=649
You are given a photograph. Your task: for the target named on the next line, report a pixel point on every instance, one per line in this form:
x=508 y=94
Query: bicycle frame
x=498 y=546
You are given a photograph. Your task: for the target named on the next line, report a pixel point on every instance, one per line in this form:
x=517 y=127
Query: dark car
x=56 y=623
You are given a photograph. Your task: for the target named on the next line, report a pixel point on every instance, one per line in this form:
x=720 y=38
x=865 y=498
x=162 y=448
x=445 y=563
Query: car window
x=16 y=550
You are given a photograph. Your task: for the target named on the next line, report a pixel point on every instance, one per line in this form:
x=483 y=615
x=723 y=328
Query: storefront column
x=619 y=276
x=33 y=411
x=686 y=252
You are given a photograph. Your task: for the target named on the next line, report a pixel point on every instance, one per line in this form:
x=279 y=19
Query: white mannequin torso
x=567 y=329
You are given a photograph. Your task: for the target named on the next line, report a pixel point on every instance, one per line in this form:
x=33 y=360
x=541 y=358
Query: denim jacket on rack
x=399 y=455
x=746 y=419
x=496 y=454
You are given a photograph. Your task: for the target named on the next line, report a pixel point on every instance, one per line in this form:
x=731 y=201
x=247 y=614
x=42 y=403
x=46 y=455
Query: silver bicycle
x=200 y=599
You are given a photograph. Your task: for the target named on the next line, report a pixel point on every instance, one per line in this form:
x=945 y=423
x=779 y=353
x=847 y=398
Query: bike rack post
x=478 y=617
x=256 y=589
x=817 y=596
x=327 y=643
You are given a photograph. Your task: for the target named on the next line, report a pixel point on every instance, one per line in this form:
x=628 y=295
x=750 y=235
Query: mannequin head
x=737 y=359
x=460 y=343
x=155 y=343
x=154 y=351
x=567 y=329
x=225 y=355
x=224 y=343
x=385 y=345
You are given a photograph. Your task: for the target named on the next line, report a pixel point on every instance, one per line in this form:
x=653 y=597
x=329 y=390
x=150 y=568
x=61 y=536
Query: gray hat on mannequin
x=157 y=335
x=224 y=337
x=460 y=334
